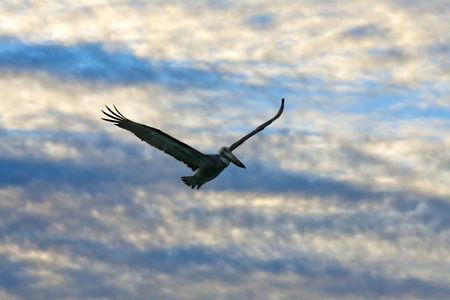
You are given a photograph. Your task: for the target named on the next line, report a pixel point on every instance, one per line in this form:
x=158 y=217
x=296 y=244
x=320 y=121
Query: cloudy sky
x=346 y=196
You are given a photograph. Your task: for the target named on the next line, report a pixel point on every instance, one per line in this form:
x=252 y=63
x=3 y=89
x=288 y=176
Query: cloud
x=13 y=274
x=364 y=31
x=231 y=33
x=261 y=20
x=228 y=267
x=344 y=196
x=91 y=62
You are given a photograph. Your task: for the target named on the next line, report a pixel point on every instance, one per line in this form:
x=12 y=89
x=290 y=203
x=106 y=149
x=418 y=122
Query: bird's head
x=226 y=156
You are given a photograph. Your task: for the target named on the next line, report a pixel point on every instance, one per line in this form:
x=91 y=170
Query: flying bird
x=208 y=166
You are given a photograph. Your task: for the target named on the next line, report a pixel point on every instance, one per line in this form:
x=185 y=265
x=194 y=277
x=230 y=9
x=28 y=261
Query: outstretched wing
x=158 y=139
x=259 y=128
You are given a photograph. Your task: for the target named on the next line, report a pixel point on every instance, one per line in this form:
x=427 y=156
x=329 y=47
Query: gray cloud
x=91 y=62
x=345 y=196
x=13 y=275
x=365 y=31
x=230 y=266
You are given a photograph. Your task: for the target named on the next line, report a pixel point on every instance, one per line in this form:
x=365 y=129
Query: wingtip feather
x=119 y=112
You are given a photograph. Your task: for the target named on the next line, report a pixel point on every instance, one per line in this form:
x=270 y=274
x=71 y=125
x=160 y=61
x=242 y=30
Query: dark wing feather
x=158 y=139
x=259 y=128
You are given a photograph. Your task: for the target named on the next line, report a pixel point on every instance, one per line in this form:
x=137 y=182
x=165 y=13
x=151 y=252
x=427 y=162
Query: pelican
x=208 y=166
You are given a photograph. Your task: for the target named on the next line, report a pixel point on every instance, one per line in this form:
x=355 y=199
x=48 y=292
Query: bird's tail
x=191 y=181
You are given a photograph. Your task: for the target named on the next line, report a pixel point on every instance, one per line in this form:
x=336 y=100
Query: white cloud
x=344 y=196
x=318 y=37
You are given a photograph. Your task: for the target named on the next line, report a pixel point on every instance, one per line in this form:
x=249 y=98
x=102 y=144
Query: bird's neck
x=224 y=160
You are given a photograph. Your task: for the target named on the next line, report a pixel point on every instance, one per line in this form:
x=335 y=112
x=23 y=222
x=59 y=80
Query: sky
x=345 y=196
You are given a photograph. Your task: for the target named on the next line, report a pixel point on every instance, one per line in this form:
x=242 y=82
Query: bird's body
x=207 y=166
x=210 y=169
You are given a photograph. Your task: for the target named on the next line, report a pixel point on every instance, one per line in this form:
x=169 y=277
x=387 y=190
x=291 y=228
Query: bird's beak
x=230 y=156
